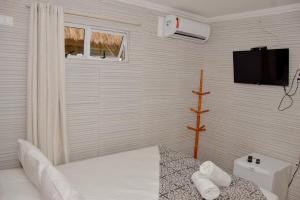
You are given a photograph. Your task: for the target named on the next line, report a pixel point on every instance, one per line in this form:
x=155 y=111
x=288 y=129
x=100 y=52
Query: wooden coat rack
x=199 y=111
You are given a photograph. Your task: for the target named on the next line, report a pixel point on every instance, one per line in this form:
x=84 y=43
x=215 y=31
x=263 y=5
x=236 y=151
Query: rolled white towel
x=206 y=188
x=211 y=171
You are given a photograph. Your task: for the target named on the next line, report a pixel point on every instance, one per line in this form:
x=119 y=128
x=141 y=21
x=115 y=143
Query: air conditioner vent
x=190 y=35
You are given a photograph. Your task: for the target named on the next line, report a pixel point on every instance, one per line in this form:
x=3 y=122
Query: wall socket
x=6 y=20
x=298 y=76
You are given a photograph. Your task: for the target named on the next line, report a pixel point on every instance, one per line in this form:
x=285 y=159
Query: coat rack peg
x=191 y=128
x=194 y=110
x=198 y=93
x=198 y=129
x=202 y=128
x=205 y=93
x=205 y=111
x=195 y=92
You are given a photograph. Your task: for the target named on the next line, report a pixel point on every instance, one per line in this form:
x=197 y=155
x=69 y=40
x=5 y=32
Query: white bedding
x=14 y=185
x=132 y=175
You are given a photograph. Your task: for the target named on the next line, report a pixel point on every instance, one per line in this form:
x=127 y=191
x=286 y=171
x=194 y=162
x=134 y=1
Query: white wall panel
x=244 y=118
x=111 y=107
x=13 y=54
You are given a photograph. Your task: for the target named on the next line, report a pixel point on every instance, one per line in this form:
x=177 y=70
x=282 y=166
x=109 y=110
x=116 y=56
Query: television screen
x=262 y=66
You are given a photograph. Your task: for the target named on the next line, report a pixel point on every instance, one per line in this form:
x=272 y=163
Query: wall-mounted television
x=262 y=66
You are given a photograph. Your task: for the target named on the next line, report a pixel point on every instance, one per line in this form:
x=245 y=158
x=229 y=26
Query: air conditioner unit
x=178 y=27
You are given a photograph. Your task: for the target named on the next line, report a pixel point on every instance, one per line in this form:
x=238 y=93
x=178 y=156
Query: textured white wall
x=244 y=118
x=13 y=56
x=114 y=107
x=111 y=107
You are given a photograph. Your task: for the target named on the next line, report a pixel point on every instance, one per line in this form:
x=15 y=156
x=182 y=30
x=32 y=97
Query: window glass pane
x=74 y=41
x=107 y=45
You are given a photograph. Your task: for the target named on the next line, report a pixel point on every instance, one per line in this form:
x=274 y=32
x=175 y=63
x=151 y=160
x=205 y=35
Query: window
x=74 y=41
x=84 y=42
x=107 y=45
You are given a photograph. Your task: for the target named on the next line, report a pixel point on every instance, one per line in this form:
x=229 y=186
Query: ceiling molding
x=164 y=9
x=170 y=10
x=257 y=13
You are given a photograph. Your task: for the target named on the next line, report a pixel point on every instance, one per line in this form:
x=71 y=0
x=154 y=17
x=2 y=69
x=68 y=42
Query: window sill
x=107 y=60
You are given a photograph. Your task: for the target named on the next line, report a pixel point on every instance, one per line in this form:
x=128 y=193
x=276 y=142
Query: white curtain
x=46 y=121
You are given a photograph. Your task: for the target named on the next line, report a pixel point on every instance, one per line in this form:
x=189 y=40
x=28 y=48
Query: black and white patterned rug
x=176 y=170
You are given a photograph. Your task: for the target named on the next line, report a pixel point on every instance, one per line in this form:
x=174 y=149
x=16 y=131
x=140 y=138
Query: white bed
x=100 y=178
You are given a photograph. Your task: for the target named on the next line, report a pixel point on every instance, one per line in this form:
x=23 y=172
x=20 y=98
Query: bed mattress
x=130 y=175
x=14 y=185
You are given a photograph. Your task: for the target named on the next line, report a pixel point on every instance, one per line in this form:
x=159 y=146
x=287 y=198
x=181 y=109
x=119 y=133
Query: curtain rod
x=77 y=13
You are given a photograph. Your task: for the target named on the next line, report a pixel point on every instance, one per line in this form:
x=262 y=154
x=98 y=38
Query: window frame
x=87 y=36
x=84 y=44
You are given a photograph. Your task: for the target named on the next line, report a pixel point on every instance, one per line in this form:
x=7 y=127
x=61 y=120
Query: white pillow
x=33 y=162
x=54 y=186
x=23 y=148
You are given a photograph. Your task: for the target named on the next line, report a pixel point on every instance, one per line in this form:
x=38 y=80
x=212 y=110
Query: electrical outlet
x=6 y=20
x=298 y=80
